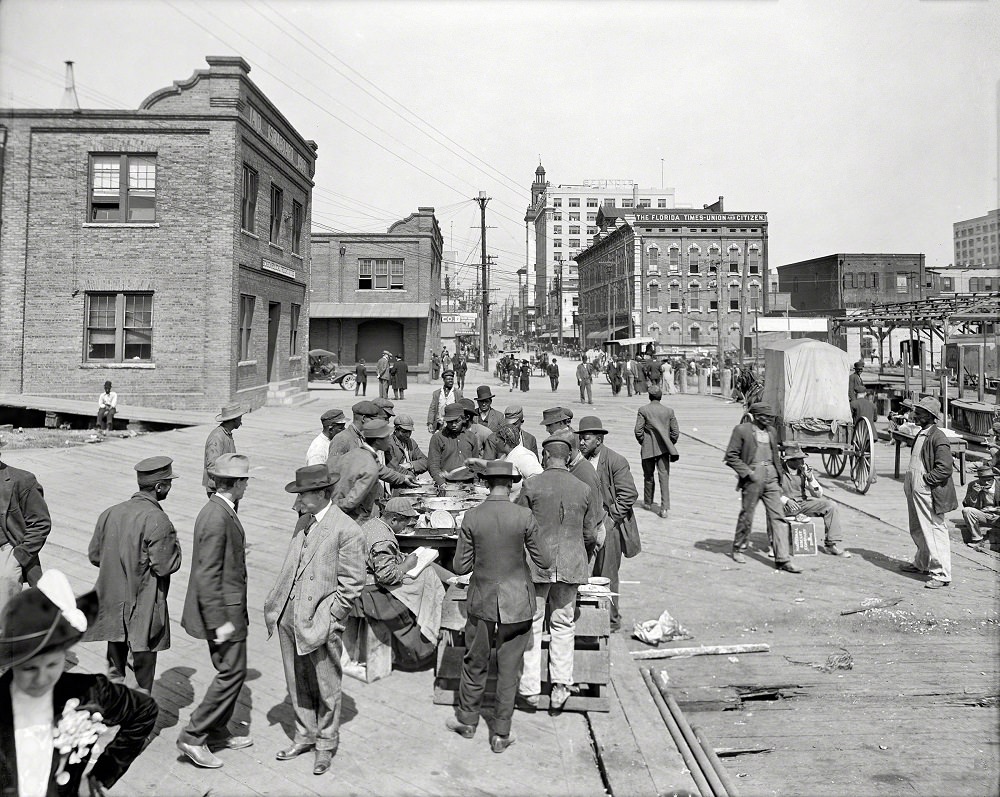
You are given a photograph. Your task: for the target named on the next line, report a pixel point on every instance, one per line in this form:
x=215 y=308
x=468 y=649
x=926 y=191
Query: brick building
x=664 y=272
x=379 y=291
x=975 y=241
x=161 y=248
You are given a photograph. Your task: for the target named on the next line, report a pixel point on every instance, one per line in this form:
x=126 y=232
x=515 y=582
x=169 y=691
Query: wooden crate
x=591 y=660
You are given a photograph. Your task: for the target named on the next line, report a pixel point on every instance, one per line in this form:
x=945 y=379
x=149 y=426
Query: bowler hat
x=375 y=429
x=311 y=477
x=229 y=412
x=792 y=451
x=762 y=408
x=500 y=469
x=403 y=422
x=400 y=506
x=44 y=618
x=334 y=415
x=230 y=466
x=454 y=412
x=154 y=469
x=554 y=415
x=483 y=393
x=929 y=404
x=591 y=423
x=366 y=409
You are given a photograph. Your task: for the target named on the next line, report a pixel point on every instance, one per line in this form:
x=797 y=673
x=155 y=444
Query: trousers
x=554 y=381
x=607 y=563
x=585 y=386
x=383 y=388
x=929 y=533
x=826 y=509
x=510 y=641
x=216 y=709
x=314 y=685
x=560 y=601
x=143 y=665
x=106 y=418
x=978 y=524
x=658 y=467
x=767 y=490
x=362 y=385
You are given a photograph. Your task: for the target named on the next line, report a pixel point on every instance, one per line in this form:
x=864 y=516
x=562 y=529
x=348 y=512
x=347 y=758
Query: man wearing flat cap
x=473 y=428
x=404 y=455
x=220 y=441
x=930 y=494
x=333 y=422
x=450 y=448
x=215 y=609
x=351 y=437
x=358 y=489
x=441 y=398
x=136 y=548
x=321 y=577
x=754 y=454
x=386 y=408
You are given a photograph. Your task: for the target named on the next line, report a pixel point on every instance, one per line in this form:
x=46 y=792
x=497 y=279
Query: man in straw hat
x=136 y=548
x=569 y=523
x=981 y=507
x=930 y=493
x=24 y=528
x=618 y=496
x=220 y=441
x=449 y=447
x=215 y=610
x=37 y=628
x=491 y=545
x=801 y=494
x=754 y=454
x=333 y=422
x=321 y=577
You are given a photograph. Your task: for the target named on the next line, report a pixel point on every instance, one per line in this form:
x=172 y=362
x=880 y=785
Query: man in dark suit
x=501 y=602
x=930 y=493
x=618 y=495
x=402 y=378
x=24 y=527
x=220 y=441
x=215 y=609
x=442 y=397
x=656 y=432
x=855 y=384
x=753 y=453
x=322 y=575
x=404 y=455
x=487 y=416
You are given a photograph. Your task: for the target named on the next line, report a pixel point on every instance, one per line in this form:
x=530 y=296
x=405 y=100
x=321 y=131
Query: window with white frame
x=247 y=303
x=654 y=295
x=675 y=296
x=122 y=188
x=694 y=296
x=694 y=260
x=119 y=327
x=380 y=274
x=734 y=259
x=753 y=260
x=675 y=258
x=653 y=254
x=734 y=296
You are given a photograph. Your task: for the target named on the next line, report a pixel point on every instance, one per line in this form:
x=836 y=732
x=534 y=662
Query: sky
x=857 y=126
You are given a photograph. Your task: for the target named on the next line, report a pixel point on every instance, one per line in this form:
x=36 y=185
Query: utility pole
x=718 y=321
x=559 y=292
x=484 y=345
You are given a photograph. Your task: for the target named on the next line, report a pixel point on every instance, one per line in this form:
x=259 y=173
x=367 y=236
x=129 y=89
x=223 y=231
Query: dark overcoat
x=938 y=464
x=742 y=450
x=402 y=375
x=24 y=518
x=656 y=431
x=619 y=495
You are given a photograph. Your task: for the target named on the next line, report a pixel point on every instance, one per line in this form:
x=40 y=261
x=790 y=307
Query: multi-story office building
x=976 y=241
x=164 y=248
x=564 y=219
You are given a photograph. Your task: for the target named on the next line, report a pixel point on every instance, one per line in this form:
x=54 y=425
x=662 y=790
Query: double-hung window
x=298 y=216
x=248 y=208
x=119 y=327
x=277 y=198
x=122 y=188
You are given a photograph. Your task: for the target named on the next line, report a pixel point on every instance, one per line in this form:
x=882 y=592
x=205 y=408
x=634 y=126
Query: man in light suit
x=656 y=432
x=442 y=397
x=382 y=372
x=323 y=573
x=215 y=609
x=618 y=495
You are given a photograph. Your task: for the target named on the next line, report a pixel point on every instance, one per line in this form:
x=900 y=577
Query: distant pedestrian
x=629 y=374
x=657 y=433
x=584 y=380
x=333 y=422
x=220 y=441
x=136 y=548
x=445 y=361
x=24 y=527
x=615 y=376
x=107 y=406
x=930 y=494
x=402 y=376
x=361 y=377
x=435 y=366
x=525 y=376
x=461 y=369
x=855 y=384
x=382 y=372
x=640 y=374
x=553 y=372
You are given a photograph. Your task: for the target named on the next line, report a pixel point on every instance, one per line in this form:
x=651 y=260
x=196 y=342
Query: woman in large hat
x=50 y=719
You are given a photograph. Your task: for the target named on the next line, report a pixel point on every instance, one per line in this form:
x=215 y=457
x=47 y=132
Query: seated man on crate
x=981 y=509
x=801 y=494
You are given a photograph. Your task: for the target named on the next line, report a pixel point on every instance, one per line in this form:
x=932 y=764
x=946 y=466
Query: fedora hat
x=454 y=412
x=311 y=477
x=230 y=466
x=229 y=412
x=500 y=469
x=930 y=405
x=792 y=451
x=483 y=393
x=44 y=619
x=154 y=469
x=555 y=415
x=591 y=423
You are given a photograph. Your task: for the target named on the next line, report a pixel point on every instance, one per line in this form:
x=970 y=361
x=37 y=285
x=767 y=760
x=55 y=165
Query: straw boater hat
x=311 y=477
x=229 y=412
x=44 y=619
x=230 y=466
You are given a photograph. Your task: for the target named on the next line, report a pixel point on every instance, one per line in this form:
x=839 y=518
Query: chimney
x=69 y=98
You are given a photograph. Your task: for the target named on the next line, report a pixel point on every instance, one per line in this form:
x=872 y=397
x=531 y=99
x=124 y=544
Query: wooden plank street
x=916 y=712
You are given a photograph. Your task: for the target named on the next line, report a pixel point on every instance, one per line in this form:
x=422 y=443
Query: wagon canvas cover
x=806 y=378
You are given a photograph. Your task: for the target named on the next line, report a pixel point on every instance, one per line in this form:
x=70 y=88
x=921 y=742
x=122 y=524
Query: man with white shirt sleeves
x=333 y=422
x=444 y=396
x=107 y=406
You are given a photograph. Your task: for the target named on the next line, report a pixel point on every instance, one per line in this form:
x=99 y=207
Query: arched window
x=694 y=259
x=753 y=299
x=654 y=257
x=734 y=259
x=654 y=296
x=753 y=260
x=734 y=296
x=714 y=258
x=695 y=331
x=694 y=296
x=675 y=295
x=675 y=258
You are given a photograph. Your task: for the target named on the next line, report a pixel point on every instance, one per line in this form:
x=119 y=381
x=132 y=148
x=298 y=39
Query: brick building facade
x=379 y=291
x=663 y=269
x=165 y=249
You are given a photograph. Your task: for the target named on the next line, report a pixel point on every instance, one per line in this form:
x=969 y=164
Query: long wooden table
x=959 y=446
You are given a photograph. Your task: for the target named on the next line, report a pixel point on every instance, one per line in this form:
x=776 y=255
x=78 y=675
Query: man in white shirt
x=107 y=406
x=333 y=422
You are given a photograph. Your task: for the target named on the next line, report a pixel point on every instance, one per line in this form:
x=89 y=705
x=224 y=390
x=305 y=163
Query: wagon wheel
x=349 y=382
x=862 y=455
x=834 y=462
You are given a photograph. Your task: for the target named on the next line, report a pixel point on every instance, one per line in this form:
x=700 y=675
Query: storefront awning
x=369 y=310
x=602 y=334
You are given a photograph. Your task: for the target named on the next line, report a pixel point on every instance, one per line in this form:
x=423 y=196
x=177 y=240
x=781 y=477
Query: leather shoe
x=935 y=584
x=909 y=567
x=293 y=752
x=200 y=755
x=323 y=760
x=500 y=743
x=739 y=558
x=788 y=567
x=232 y=742
x=463 y=730
x=835 y=550
x=663 y=513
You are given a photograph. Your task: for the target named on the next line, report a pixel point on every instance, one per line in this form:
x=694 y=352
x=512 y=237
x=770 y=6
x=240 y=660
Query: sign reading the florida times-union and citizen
x=683 y=216
x=277 y=268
